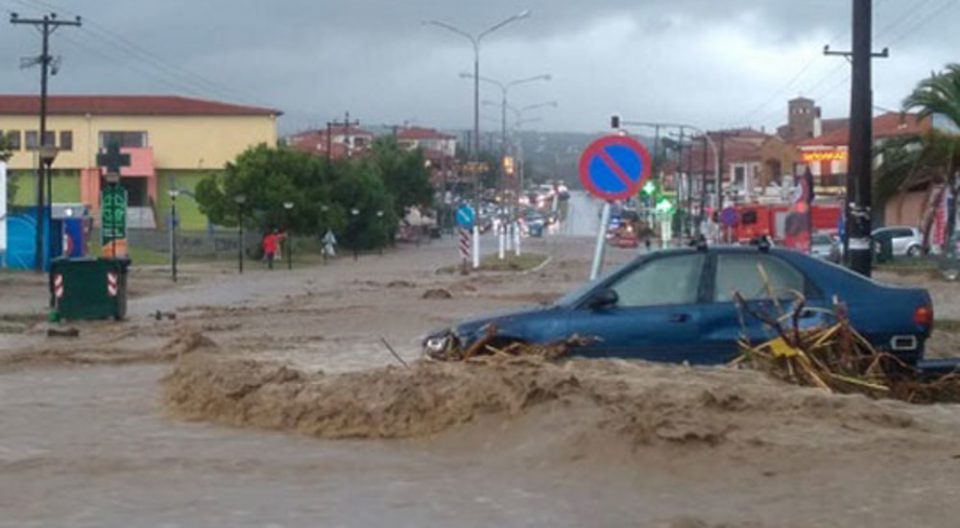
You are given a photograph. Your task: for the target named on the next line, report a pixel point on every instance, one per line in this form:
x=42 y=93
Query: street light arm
x=454 y=29
x=519 y=16
x=542 y=77
x=547 y=104
x=498 y=84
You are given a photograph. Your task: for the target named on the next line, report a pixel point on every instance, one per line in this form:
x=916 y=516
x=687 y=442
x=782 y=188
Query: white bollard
x=516 y=242
x=502 y=241
x=476 y=247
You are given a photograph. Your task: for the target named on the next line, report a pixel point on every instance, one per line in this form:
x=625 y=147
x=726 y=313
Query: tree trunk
x=929 y=212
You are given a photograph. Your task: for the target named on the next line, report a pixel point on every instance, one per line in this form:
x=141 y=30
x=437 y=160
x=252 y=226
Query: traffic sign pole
x=601 y=241
x=612 y=168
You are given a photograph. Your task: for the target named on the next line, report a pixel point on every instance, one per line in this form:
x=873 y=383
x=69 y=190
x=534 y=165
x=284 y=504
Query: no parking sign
x=614 y=167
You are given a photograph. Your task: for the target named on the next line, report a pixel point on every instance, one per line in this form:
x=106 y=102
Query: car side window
x=663 y=281
x=741 y=273
x=903 y=233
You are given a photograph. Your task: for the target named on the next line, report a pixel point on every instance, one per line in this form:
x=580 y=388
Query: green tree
x=269 y=177
x=6 y=152
x=937 y=156
x=358 y=188
x=404 y=173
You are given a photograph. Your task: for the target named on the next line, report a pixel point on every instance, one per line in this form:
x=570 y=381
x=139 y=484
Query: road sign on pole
x=465 y=216
x=614 y=167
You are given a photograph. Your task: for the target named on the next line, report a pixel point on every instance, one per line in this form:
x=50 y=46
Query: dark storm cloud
x=710 y=62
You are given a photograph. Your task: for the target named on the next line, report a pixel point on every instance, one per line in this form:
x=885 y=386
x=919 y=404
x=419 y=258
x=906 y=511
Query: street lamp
x=354 y=213
x=240 y=200
x=287 y=241
x=173 y=193
x=475 y=40
x=47 y=154
x=380 y=226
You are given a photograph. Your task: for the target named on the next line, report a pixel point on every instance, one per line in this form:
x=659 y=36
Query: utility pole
x=47 y=25
x=703 y=185
x=346 y=124
x=857 y=254
x=723 y=170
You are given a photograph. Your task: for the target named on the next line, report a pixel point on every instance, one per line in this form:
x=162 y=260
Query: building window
x=13 y=139
x=66 y=140
x=123 y=139
x=50 y=138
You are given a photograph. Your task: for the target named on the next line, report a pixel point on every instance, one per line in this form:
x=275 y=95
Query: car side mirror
x=604 y=298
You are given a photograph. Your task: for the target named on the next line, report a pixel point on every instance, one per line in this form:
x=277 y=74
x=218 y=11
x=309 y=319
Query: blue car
x=678 y=305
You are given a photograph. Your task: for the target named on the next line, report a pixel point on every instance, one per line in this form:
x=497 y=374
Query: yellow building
x=172 y=142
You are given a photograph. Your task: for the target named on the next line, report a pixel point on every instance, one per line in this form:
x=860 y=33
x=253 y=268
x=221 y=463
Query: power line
x=132 y=50
x=813 y=88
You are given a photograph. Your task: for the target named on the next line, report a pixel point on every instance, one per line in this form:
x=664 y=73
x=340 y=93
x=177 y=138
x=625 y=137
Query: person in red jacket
x=270 y=241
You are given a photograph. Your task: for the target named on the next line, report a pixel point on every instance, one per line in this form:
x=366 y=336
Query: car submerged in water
x=679 y=306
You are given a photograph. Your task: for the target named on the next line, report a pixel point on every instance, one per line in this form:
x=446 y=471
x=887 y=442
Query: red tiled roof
x=142 y=105
x=421 y=133
x=891 y=124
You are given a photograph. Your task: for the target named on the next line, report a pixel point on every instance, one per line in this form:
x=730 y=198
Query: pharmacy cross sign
x=112 y=159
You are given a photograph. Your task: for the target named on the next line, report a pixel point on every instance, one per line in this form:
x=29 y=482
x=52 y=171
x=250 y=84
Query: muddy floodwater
x=130 y=425
x=72 y=456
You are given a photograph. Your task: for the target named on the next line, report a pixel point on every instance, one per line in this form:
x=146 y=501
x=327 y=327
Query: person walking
x=270 y=247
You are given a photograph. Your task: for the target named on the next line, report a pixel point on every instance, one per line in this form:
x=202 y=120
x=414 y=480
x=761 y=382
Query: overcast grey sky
x=711 y=63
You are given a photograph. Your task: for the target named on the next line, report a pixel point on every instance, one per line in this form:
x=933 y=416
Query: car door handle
x=679 y=318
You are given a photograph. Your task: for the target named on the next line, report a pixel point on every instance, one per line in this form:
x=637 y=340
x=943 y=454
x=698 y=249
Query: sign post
x=612 y=168
x=464 y=217
x=113 y=204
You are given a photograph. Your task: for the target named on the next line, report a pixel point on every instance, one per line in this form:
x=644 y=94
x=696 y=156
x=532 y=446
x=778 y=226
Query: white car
x=906 y=241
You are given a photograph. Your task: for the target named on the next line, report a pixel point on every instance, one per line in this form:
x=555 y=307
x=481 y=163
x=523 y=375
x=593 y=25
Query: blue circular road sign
x=464 y=216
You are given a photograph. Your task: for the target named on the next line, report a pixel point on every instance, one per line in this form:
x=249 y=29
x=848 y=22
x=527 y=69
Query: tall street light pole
x=174 y=193
x=504 y=105
x=288 y=241
x=240 y=200
x=475 y=40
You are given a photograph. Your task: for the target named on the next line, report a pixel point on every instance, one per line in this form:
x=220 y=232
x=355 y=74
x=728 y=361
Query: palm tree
x=936 y=158
x=940 y=95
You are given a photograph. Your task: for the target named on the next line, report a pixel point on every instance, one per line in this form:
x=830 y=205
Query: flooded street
x=87 y=439
x=91 y=447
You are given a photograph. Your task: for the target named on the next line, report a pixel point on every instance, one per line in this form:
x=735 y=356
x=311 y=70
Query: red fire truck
x=756 y=220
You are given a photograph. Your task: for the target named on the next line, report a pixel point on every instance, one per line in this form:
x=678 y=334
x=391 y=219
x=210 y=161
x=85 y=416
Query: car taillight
x=923 y=316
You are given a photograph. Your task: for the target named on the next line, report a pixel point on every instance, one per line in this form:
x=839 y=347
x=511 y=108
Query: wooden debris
x=834 y=357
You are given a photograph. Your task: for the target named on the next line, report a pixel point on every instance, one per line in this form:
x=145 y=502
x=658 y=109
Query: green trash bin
x=85 y=289
x=883 y=249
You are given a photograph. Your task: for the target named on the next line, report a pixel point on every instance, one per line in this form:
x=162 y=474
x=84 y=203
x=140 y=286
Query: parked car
x=906 y=241
x=678 y=305
x=826 y=247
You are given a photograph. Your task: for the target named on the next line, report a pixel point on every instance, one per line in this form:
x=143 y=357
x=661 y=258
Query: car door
x=901 y=241
x=722 y=322
x=656 y=316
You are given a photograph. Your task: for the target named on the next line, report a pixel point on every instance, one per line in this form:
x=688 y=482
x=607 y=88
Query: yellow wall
x=178 y=142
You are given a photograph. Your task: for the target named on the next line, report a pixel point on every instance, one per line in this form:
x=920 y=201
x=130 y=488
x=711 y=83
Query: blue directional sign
x=614 y=167
x=464 y=216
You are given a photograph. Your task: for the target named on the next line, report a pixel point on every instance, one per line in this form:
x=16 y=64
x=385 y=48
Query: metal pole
x=601 y=240
x=173 y=237
x=240 y=242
